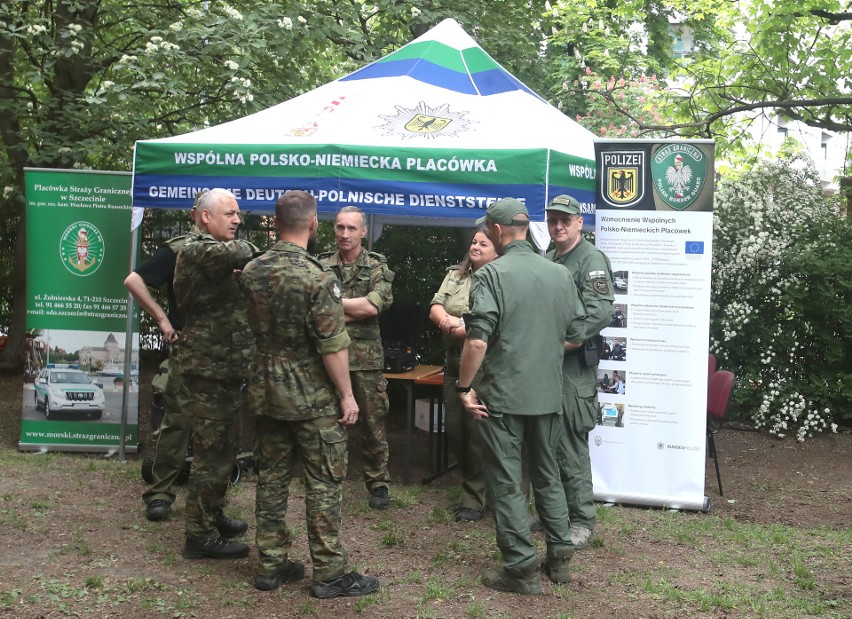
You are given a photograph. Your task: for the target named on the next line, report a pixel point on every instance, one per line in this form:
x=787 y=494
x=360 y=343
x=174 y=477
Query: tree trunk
x=12 y=356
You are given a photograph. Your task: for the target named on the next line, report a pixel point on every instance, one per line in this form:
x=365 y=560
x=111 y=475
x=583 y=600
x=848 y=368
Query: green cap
x=565 y=204
x=503 y=211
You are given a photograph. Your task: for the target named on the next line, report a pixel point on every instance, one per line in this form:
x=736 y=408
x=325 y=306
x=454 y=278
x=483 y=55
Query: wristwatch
x=460 y=389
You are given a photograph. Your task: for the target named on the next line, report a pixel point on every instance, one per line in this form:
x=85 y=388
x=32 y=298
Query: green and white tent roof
x=436 y=129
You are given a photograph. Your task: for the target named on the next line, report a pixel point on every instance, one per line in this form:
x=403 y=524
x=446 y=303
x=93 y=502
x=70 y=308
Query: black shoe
x=468 y=514
x=379 y=498
x=291 y=572
x=228 y=527
x=348 y=585
x=158 y=510
x=214 y=549
x=535 y=524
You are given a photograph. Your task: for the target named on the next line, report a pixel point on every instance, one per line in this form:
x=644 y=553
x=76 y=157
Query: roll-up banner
x=78 y=252
x=655 y=222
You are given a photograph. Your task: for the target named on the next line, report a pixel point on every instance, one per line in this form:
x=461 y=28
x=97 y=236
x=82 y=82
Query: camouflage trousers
x=320 y=445
x=370 y=389
x=216 y=409
x=172 y=439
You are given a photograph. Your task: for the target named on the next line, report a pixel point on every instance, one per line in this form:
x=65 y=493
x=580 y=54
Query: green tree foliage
x=782 y=281
x=789 y=58
x=81 y=80
x=619 y=108
x=620 y=40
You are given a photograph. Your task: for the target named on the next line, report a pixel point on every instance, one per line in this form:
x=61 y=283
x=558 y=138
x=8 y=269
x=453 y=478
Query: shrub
x=780 y=310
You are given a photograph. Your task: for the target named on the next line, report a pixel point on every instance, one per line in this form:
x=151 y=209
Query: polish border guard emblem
x=81 y=248
x=678 y=172
x=623 y=178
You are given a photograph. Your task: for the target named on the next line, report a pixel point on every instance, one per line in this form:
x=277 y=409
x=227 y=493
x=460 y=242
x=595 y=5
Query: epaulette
x=377 y=256
x=177 y=242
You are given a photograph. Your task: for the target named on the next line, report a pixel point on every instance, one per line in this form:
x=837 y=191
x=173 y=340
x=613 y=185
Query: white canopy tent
x=430 y=134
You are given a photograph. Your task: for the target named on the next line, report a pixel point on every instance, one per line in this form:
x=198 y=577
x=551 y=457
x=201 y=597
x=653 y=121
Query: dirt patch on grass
x=74 y=542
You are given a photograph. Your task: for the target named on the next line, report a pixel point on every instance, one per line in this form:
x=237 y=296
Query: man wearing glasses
x=592 y=274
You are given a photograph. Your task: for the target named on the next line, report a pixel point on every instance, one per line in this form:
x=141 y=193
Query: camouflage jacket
x=294 y=308
x=369 y=276
x=216 y=342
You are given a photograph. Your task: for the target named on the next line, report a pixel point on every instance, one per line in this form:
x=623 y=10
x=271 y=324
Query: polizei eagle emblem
x=623 y=177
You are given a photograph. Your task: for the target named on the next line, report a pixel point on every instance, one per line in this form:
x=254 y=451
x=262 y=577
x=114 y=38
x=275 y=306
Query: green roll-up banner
x=78 y=254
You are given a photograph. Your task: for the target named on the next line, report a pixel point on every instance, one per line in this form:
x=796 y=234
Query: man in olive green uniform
x=172 y=436
x=366 y=281
x=217 y=347
x=302 y=396
x=592 y=274
x=522 y=310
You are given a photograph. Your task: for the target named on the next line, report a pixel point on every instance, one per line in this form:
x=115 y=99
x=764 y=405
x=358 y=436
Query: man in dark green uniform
x=592 y=274
x=366 y=281
x=172 y=437
x=217 y=347
x=522 y=310
x=302 y=396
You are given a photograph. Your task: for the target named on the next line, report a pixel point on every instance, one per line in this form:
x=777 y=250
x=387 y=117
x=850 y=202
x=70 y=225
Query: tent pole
x=128 y=352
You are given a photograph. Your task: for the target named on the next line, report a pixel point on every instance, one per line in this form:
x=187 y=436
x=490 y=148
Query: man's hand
x=472 y=405
x=170 y=336
x=449 y=324
x=349 y=411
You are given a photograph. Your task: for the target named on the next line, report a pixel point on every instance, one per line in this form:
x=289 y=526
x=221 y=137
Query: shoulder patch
x=335 y=290
x=601 y=286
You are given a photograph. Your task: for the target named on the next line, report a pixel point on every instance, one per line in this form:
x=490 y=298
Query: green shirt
x=369 y=276
x=592 y=274
x=454 y=297
x=525 y=308
x=294 y=308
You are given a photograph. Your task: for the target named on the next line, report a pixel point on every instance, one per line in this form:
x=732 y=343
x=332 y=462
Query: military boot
x=556 y=567
x=524 y=580
x=229 y=527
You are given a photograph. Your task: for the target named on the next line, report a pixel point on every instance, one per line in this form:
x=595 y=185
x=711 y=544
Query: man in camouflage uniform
x=217 y=347
x=592 y=274
x=366 y=281
x=176 y=426
x=302 y=396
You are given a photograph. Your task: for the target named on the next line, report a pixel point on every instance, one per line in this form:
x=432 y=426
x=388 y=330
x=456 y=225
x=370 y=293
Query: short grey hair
x=211 y=199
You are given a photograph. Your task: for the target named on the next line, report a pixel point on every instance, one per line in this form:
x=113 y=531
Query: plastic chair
x=719 y=390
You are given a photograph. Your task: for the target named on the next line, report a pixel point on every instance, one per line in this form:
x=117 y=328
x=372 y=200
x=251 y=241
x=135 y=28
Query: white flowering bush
x=780 y=312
